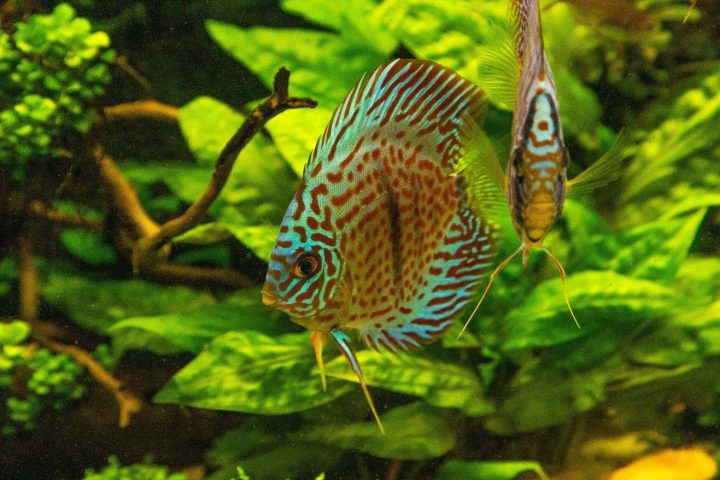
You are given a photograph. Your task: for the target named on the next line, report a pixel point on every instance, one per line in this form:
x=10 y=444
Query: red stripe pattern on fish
x=382 y=235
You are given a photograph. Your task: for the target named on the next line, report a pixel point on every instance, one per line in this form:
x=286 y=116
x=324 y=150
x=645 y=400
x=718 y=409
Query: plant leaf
x=14 y=333
x=413 y=432
x=190 y=331
x=601 y=299
x=455 y=470
x=253 y=373
x=98 y=303
x=440 y=384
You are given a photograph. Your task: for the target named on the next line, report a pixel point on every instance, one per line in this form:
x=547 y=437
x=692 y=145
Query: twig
x=278 y=102
x=125 y=66
x=128 y=402
x=29 y=298
x=38 y=209
x=142 y=109
x=124 y=197
x=394 y=470
x=192 y=275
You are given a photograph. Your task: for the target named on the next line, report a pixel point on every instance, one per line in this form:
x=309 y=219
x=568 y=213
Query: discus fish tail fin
x=495 y=273
x=561 y=270
x=342 y=340
x=319 y=339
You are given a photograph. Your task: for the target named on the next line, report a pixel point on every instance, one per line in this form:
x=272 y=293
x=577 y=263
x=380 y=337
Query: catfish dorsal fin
x=414 y=100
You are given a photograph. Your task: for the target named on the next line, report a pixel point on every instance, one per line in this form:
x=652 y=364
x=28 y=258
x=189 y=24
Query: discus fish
x=387 y=234
x=536 y=180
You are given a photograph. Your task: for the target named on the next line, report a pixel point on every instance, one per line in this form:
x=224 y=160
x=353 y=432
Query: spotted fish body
x=537 y=168
x=382 y=235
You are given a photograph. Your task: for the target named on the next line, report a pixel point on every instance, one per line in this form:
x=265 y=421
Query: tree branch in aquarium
x=123 y=195
x=142 y=109
x=123 y=64
x=27 y=284
x=194 y=275
x=128 y=402
x=40 y=210
x=278 y=102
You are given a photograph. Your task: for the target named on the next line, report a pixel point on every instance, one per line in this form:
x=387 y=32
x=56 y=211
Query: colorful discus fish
x=386 y=235
x=536 y=183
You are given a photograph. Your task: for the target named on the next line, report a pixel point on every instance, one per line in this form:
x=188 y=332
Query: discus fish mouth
x=268 y=298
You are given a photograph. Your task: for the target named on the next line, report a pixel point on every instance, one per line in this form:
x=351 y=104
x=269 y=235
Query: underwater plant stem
x=127 y=401
x=278 y=102
x=394 y=470
x=28 y=283
x=142 y=109
x=38 y=209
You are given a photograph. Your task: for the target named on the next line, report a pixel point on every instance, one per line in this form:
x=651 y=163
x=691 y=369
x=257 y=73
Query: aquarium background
x=119 y=360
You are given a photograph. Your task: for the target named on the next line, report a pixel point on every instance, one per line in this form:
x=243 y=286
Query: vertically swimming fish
x=386 y=233
x=536 y=183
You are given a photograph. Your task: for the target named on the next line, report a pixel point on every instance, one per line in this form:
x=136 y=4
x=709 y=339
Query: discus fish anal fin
x=495 y=273
x=319 y=339
x=561 y=270
x=342 y=340
x=605 y=170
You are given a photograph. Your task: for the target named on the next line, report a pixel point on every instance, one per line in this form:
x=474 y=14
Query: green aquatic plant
x=641 y=254
x=33 y=380
x=139 y=471
x=52 y=68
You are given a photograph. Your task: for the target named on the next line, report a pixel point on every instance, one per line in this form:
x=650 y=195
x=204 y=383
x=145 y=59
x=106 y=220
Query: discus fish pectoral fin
x=605 y=170
x=495 y=273
x=561 y=270
x=319 y=339
x=342 y=340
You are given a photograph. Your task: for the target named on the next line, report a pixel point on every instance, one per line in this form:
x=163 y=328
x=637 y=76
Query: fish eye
x=306 y=265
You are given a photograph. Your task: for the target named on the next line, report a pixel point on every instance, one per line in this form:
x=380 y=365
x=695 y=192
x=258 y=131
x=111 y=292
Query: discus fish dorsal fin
x=484 y=174
x=342 y=340
x=403 y=100
x=605 y=170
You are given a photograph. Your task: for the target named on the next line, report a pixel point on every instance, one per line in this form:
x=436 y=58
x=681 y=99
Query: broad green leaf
x=600 y=299
x=258 y=238
x=190 y=331
x=668 y=346
x=699 y=277
x=186 y=181
x=14 y=332
x=455 y=470
x=440 y=384
x=351 y=18
x=705 y=323
x=296 y=132
x=88 y=246
x=250 y=372
x=548 y=397
x=8 y=274
x=325 y=68
x=413 y=432
x=653 y=251
x=97 y=303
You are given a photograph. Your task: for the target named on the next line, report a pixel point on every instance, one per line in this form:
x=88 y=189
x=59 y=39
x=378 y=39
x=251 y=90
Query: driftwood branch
x=278 y=102
x=29 y=303
x=128 y=402
x=142 y=109
x=123 y=195
x=40 y=210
